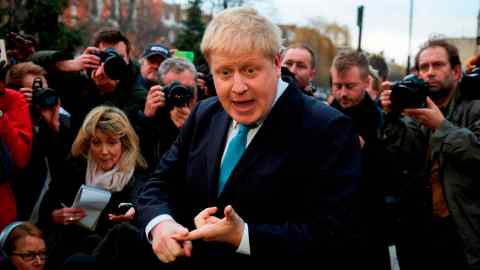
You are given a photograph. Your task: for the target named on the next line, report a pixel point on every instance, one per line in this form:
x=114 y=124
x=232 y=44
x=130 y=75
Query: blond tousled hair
x=113 y=122
x=241 y=30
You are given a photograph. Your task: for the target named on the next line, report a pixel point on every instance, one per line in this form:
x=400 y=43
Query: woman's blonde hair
x=113 y=122
x=241 y=30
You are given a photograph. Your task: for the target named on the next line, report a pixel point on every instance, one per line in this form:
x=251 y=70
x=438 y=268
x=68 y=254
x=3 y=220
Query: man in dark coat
x=350 y=80
x=260 y=176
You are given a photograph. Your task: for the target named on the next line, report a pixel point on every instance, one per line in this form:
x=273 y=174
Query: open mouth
x=243 y=106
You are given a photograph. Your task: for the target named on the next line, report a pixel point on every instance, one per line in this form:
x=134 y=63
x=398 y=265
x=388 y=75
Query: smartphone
x=122 y=208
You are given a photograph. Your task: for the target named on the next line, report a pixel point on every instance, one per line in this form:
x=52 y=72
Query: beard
x=438 y=94
x=443 y=89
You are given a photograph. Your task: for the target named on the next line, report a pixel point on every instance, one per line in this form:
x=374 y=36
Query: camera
x=469 y=83
x=410 y=92
x=209 y=84
x=205 y=75
x=43 y=98
x=114 y=65
x=287 y=75
x=177 y=95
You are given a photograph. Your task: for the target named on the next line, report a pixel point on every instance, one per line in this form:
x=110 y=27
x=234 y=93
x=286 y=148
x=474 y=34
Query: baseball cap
x=156 y=49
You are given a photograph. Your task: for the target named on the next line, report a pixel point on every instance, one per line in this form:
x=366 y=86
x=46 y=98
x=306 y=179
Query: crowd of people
x=256 y=172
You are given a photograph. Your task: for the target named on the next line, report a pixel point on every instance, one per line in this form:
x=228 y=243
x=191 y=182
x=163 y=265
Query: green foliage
x=40 y=18
x=193 y=27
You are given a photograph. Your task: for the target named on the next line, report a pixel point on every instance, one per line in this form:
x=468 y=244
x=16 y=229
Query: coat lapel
x=216 y=141
x=272 y=134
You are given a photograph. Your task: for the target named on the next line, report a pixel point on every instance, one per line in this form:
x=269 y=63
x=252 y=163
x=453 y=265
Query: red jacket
x=16 y=134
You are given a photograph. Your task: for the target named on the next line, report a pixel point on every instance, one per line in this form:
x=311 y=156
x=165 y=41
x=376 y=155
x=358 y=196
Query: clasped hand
x=171 y=240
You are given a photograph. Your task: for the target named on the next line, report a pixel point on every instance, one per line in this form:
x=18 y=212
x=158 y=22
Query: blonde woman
x=106 y=155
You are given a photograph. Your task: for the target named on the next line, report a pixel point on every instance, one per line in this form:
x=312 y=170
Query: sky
x=385 y=22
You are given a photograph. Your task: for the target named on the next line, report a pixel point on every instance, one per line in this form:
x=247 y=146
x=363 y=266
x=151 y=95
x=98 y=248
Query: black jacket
x=296 y=185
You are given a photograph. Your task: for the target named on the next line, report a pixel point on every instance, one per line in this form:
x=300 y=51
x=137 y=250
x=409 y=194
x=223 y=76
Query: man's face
x=149 y=68
x=434 y=67
x=99 y=76
x=348 y=87
x=185 y=77
x=246 y=84
x=299 y=62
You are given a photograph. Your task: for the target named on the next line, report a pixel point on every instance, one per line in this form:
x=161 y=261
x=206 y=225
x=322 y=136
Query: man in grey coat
x=437 y=151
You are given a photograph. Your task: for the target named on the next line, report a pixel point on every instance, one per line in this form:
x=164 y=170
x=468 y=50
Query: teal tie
x=235 y=149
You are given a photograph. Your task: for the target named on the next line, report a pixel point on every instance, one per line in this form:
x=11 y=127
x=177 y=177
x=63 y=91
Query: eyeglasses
x=30 y=256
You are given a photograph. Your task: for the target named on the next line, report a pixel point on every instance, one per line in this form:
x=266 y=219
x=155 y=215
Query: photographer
x=437 y=154
x=162 y=118
x=153 y=56
x=51 y=138
x=16 y=136
x=102 y=74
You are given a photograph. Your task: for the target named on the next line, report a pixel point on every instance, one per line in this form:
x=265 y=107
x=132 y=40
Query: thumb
x=180 y=234
x=430 y=103
x=230 y=214
x=182 y=231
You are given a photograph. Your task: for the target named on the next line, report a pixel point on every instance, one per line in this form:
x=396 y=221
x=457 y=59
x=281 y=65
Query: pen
x=63 y=205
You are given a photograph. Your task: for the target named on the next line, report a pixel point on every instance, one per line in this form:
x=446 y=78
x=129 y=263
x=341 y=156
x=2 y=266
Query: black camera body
x=469 y=83
x=44 y=98
x=204 y=74
x=177 y=95
x=114 y=65
x=287 y=75
x=410 y=92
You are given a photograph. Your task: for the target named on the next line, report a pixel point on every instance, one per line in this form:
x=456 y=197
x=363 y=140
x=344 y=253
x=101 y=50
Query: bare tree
x=339 y=34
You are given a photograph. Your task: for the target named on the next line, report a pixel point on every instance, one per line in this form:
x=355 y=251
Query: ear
x=457 y=72
x=312 y=74
x=277 y=64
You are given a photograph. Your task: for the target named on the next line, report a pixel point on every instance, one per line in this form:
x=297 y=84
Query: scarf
x=113 y=180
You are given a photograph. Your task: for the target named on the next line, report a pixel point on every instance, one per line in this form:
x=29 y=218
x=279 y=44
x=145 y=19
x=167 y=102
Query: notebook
x=93 y=200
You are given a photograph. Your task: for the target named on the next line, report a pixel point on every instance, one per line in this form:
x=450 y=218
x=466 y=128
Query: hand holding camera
x=155 y=100
x=178 y=95
x=47 y=103
x=27 y=94
x=431 y=116
x=410 y=98
x=179 y=115
x=86 y=61
x=43 y=97
x=411 y=92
